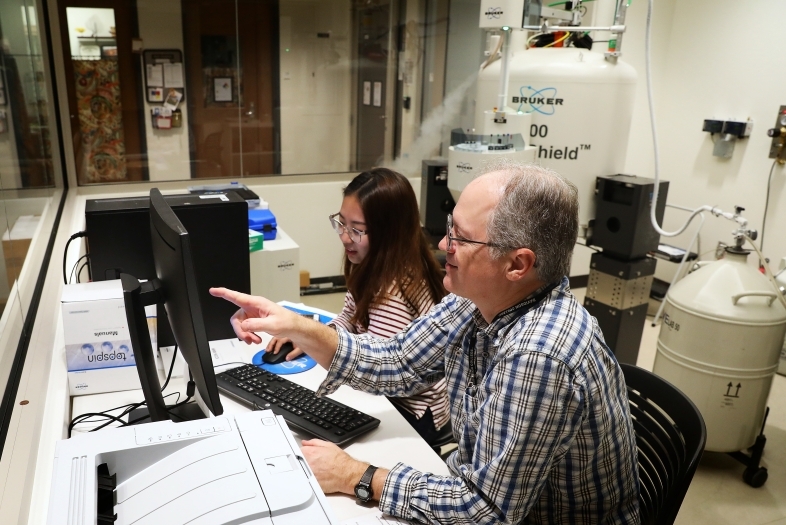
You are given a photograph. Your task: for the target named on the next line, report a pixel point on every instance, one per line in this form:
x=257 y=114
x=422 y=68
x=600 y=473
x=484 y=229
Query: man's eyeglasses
x=354 y=234
x=460 y=240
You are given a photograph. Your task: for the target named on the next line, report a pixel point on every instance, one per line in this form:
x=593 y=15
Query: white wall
x=711 y=59
x=161 y=27
x=316 y=84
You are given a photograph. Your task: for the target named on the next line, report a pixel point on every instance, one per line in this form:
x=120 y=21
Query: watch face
x=362 y=493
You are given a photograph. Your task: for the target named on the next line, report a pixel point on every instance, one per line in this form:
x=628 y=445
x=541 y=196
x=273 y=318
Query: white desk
x=393 y=441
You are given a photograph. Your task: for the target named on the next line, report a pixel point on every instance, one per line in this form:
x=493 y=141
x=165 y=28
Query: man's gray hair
x=538 y=209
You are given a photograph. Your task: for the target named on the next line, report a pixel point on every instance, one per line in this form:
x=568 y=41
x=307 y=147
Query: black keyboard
x=301 y=408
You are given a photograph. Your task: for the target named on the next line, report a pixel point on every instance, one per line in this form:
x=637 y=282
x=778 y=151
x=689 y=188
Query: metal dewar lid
x=729 y=289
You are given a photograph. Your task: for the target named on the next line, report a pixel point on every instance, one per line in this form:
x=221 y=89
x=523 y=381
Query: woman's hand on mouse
x=276 y=343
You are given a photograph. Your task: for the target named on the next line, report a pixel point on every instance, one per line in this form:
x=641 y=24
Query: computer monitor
x=176 y=287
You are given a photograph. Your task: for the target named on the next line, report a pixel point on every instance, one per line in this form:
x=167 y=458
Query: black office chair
x=670 y=437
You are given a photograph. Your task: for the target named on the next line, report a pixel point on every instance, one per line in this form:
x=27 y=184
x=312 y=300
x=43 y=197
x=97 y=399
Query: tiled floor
x=717 y=495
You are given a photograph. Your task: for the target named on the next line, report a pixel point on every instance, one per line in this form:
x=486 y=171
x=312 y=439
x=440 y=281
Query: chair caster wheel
x=755 y=477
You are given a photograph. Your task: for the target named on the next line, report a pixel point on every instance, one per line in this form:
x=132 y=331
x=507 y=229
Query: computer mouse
x=274 y=359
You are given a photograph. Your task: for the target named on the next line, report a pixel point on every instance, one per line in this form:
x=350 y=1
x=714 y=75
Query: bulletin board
x=164 y=73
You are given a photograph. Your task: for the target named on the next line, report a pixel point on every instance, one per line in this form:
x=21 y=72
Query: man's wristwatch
x=363 y=490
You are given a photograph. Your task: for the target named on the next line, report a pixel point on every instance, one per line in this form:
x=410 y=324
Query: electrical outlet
x=778 y=135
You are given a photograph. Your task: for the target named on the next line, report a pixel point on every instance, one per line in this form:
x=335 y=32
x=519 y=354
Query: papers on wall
x=173 y=75
x=155 y=75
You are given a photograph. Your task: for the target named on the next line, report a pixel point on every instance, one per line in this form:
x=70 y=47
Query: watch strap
x=368 y=475
x=365 y=485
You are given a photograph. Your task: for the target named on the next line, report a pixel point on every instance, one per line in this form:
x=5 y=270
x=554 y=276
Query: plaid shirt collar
x=505 y=318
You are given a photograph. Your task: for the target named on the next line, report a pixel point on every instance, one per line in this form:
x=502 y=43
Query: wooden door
x=236 y=51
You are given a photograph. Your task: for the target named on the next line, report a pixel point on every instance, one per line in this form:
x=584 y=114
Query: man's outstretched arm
x=257 y=314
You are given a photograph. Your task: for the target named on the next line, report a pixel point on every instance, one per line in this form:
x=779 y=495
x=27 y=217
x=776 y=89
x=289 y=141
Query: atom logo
x=538 y=100
x=464 y=167
x=493 y=13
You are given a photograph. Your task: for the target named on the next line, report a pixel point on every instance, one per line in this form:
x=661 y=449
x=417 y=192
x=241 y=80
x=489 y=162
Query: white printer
x=231 y=469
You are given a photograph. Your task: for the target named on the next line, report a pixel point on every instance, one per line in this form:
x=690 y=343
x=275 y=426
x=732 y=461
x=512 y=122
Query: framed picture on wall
x=222 y=89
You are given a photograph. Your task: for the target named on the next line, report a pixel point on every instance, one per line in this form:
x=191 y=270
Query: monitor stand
x=187 y=412
x=136 y=296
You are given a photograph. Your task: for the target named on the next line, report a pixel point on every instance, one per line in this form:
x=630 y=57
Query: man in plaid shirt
x=538 y=402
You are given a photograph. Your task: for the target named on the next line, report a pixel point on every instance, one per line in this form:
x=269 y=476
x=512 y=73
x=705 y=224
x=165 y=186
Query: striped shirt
x=387 y=317
x=544 y=434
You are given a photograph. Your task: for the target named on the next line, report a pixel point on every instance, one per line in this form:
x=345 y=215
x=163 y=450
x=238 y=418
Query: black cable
x=65 y=252
x=79 y=271
x=171 y=367
x=73 y=269
x=190 y=390
x=124 y=413
x=766 y=205
x=128 y=408
x=237 y=363
x=93 y=414
x=85 y=417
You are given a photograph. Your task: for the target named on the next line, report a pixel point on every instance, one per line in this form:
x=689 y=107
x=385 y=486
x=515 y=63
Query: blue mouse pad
x=301 y=364
x=322 y=318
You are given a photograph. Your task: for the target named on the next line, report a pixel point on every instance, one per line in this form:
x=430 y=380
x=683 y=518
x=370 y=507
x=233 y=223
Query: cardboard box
x=275 y=269
x=99 y=356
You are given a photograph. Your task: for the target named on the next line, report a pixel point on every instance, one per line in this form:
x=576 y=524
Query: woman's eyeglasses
x=354 y=234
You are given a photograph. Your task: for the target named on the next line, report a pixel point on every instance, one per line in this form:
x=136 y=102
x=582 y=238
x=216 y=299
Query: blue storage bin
x=264 y=222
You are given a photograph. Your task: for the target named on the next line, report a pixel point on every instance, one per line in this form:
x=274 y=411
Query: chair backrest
x=670 y=437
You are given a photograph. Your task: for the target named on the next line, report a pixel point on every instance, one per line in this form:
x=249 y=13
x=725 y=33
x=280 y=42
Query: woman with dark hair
x=392 y=278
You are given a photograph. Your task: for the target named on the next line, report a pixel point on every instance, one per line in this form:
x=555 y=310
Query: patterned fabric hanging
x=100 y=120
